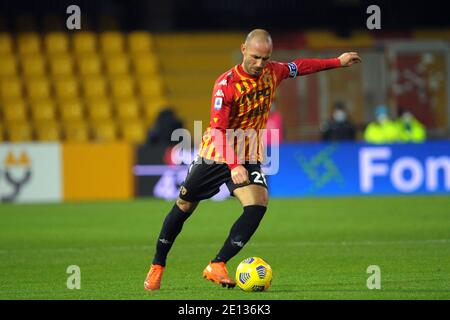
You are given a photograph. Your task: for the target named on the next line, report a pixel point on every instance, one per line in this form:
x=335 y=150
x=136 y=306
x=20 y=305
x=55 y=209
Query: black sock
x=241 y=232
x=170 y=229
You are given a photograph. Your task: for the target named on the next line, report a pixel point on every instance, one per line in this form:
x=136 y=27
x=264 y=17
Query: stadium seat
x=71 y=110
x=117 y=65
x=6 y=44
x=104 y=131
x=61 y=65
x=65 y=87
x=76 y=131
x=14 y=110
x=33 y=65
x=8 y=65
x=56 y=43
x=93 y=87
x=145 y=64
x=99 y=109
x=150 y=87
x=19 y=132
x=140 y=41
x=127 y=109
x=84 y=42
x=43 y=110
x=111 y=42
x=89 y=64
x=122 y=87
x=48 y=131
x=133 y=131
x=37 y=88
x=10 y=88
x=28 y=43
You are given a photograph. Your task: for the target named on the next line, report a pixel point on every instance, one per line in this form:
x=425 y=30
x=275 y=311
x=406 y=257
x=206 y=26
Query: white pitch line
x=265 y=244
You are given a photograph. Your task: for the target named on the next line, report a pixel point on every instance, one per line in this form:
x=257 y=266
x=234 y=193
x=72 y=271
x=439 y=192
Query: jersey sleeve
x=302 y=67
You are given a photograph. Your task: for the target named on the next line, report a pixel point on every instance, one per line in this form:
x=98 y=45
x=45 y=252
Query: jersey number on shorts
x=258 y=177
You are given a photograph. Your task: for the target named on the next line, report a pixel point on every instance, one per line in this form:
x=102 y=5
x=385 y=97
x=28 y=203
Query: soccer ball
x=254 y=274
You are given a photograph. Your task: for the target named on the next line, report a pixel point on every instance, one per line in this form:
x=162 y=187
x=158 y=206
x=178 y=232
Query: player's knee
x=186 y=206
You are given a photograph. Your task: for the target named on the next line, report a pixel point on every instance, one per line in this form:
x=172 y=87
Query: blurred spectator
x=339 y=126
x=383 y=129
x=410 y=129
x=275 y=121
x=161 y=132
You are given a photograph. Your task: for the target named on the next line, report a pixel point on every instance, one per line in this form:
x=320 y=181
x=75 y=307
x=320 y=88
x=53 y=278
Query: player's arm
x=300 y=67
x=220 y=117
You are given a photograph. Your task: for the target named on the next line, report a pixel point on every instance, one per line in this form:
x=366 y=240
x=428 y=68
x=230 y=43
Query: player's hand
x=349 y=58
x=239 y=175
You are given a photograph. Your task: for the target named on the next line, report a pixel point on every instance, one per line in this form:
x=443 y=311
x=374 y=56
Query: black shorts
x=204 y=179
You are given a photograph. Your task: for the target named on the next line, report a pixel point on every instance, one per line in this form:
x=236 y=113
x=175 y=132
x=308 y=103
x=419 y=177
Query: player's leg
x=202 y=182
x=171 y=228
x=254 y=199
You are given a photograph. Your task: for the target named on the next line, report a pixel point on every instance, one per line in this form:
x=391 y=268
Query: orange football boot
x=217 y=272
x=153 y=280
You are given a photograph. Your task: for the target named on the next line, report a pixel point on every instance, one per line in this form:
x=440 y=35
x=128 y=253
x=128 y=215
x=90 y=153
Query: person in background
x=383 y=129
x=410 y=129
x=339 y=127
x=274 y=121
x=161 y=132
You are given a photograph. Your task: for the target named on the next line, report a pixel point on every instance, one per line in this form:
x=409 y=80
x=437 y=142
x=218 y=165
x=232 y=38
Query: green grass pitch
x=318 y=249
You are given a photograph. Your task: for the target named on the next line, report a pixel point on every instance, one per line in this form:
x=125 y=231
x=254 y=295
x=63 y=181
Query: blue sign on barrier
x=327 y=169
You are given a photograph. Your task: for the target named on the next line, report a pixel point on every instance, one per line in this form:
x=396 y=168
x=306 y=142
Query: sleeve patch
x=218 y=103
x=292 y=70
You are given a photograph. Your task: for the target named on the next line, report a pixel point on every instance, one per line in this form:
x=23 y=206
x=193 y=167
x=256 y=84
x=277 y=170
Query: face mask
x=382 y=118
x=339 y=116
x=407 y=117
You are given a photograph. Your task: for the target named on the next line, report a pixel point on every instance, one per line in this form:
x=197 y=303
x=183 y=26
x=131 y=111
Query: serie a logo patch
x=218 y=103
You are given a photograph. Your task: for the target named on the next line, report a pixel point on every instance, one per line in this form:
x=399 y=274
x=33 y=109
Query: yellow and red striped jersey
x=240 y=107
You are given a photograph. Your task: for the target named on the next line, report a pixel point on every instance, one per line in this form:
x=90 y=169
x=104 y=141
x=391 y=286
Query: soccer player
x=241 y=100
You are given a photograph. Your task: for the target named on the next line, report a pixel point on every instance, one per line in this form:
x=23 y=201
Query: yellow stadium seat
x=28 y=43
x=65 y=87
x=99 y=109
x=43 y=110
x=76 y=131
x=89 y=64
x=56 y=43
x=127 y=109
x=10 y=88
x=140 y=41
x=37 y=88
x=122 y=87
x=61 y=65
x=84 y=42
x=2 y=133
x=117 y=65
x=33 y=65
x=48 y=131
x=151 y=109
x=94 y=87
x=145 y=64
x=14 y=110
x=19 y=132
x=104 y=131
x=6 y=43
x=111 y=42
x=133 y=131
x=71 y=110
x=150 y=87
x=8 y=65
